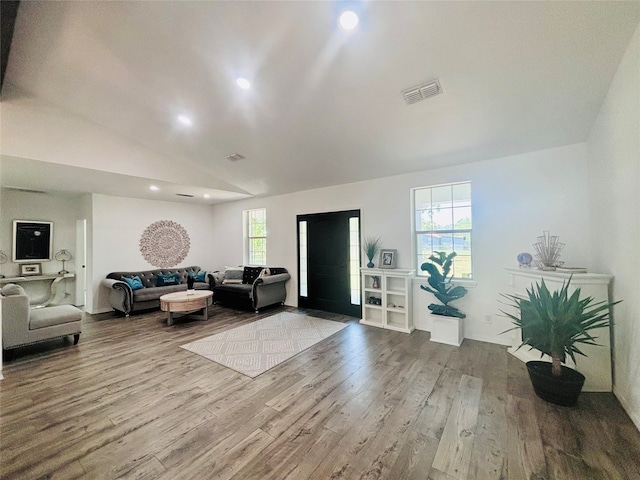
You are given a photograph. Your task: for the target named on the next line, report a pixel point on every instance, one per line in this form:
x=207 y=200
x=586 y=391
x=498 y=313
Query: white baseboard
x=635 y=418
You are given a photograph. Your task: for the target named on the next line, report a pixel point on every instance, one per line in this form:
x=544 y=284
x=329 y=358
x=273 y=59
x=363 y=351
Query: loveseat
x=127 y=295
x=249 y=287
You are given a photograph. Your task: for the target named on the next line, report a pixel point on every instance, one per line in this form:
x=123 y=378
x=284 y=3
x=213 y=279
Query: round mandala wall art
x=164 y=243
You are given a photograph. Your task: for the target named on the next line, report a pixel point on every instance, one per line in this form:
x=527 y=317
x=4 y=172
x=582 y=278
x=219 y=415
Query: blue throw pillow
x=199 y=277
x=134 y=282
x=169 y=279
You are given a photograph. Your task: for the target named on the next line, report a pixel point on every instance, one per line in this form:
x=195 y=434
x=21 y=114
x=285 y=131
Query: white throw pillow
x=265 y=272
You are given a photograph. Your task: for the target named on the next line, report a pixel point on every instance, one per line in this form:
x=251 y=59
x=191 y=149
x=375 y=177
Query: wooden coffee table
x=186 y=303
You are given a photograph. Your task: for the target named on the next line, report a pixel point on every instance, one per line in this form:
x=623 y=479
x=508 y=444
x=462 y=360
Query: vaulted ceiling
x=93 y=90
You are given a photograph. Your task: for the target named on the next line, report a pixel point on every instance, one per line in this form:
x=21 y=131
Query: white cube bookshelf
x=393 y=293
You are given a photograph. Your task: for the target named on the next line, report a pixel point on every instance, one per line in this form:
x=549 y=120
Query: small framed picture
x=30 y=269
x=388 y=258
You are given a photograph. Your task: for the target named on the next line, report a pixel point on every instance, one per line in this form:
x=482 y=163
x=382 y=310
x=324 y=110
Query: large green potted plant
x=556 y=324
x=446 y=319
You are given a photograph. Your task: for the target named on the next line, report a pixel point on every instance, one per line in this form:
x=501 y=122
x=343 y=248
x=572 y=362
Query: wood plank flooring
x=127 y=402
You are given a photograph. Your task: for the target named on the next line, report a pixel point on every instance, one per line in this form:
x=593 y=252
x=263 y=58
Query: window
x=442 y=223
x=255 y=235
x=303 y=281
x=354 y=259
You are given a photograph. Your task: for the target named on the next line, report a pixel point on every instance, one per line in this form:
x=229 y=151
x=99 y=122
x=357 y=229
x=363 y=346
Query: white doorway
x=81 y=265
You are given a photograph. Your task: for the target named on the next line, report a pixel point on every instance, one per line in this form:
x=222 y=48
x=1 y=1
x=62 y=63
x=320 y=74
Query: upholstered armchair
x=22 y=325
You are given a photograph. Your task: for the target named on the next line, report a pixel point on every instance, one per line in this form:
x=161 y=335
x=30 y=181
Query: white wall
x=63 y=211
x=116 y=226
x=514 y=200
x=614 y=174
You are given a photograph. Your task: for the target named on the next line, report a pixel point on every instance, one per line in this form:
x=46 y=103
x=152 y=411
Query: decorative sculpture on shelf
x=525 y=259
x=548 y=248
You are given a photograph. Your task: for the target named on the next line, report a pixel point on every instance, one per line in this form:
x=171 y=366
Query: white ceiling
x=93 y=90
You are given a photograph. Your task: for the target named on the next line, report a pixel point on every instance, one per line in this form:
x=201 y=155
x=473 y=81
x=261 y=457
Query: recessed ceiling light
x=243 y=83
x=153 y=188
x=206 y=195
x=183 y=119
x=348 y=20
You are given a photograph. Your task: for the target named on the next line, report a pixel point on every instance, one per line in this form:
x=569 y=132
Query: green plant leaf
x=438 y=267
x=557 y=322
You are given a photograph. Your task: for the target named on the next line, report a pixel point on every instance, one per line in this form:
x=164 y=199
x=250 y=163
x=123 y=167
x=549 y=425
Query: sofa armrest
x=269 y=290
x=120 y=295
x=15 y=320
x=268 y=280
x=215 y=278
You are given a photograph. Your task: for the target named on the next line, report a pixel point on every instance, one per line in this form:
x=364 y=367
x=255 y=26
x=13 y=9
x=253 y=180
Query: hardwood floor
x=127 y=402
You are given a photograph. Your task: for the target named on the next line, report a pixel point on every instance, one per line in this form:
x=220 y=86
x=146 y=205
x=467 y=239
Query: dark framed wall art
x=32 y=241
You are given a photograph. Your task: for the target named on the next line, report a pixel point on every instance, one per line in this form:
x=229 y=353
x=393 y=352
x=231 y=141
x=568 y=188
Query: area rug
x=259 y=346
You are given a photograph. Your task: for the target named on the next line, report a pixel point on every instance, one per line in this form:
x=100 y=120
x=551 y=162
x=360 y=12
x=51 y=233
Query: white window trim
x=414 y=247
x=246 y=239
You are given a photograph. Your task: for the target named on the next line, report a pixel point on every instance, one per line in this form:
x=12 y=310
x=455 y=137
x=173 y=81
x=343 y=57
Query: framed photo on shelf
x=388 y=258
x=27 y=269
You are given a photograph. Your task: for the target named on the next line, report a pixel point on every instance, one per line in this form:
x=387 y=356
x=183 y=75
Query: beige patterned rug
x=261 y=345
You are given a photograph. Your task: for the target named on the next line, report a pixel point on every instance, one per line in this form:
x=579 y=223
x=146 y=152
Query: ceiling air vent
x=184 y=195
x=26 y=190
x=422 y=92
x=234 y=157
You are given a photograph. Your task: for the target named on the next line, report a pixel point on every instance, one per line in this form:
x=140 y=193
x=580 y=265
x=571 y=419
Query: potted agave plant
x=447 y=324
x=556 y=323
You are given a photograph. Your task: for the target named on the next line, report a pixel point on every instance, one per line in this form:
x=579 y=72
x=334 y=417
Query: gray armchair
x=22 y=325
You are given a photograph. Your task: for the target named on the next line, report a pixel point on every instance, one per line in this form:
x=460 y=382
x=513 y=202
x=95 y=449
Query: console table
x=596 y=366
x=54 y=278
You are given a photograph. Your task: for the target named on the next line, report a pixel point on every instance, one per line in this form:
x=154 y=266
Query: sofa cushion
x=250 y=274
x=240 y=289
x=134 y=282
x=11 y=289
x=56 y=315
x=154 y=293
x=232 y=275
x=165 y=280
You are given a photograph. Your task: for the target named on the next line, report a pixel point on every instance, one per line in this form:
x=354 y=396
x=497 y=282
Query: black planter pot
x=561 y=391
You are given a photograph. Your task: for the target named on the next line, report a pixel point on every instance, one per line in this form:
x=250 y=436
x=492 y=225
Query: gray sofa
x=126 y=300
x=253 y=291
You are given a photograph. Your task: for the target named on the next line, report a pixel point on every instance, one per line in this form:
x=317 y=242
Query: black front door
x=329 y=260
